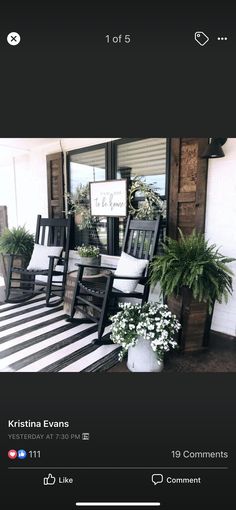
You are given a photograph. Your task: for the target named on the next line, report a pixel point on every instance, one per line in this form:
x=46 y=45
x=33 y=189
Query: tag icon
x=201 y=38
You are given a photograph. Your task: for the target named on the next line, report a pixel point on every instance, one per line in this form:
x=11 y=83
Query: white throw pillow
x=129 y=266
x=39 y=259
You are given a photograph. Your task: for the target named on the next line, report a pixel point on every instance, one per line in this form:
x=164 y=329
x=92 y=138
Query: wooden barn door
x=55 y=179
x=187 y=186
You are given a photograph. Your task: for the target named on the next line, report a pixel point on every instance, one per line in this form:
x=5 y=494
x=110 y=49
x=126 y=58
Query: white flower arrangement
x=153 y=321
x=88 y=251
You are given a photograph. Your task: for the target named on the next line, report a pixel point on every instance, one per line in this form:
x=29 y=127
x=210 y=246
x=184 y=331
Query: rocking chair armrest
x=93 y=266
x=112 y=275
x=30 y=272
x=56 y=257
x=117 y=277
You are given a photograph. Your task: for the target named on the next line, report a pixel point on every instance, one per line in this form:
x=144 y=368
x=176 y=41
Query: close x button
x=13 y=38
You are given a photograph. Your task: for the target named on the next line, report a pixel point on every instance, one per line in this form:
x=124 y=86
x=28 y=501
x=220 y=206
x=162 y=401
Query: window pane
x=144 y=158
x=86 y=167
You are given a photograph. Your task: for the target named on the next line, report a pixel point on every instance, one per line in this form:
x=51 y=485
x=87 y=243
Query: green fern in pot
x=17 y=241
x=192 y=274
x=193 y=263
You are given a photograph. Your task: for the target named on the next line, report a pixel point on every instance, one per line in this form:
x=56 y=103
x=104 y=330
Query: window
x=142 y=158
x=86 y=166
x=124 y=158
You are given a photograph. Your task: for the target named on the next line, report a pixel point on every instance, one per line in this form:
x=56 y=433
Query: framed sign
x=108 y=198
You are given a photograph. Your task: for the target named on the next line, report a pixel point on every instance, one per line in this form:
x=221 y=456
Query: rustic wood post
x=187 y=186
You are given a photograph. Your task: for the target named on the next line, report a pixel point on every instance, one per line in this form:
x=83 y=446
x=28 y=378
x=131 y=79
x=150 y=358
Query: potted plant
x=89 y=255
x=192 y=275
x=18 y=242
x=146 y=332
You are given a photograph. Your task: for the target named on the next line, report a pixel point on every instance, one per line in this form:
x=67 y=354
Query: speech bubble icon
x=157 y=478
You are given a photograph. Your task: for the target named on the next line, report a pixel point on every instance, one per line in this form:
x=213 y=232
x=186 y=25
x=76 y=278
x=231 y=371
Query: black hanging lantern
x=214 y=149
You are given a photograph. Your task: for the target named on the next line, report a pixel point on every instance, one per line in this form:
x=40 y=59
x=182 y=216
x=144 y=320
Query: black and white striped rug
x=34 y=338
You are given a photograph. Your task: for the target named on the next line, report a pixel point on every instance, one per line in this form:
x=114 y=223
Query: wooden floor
x=220 y=357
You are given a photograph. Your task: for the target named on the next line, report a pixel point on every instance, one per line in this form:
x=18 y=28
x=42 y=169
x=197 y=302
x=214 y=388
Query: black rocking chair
x=23 y=284
x=140 y=241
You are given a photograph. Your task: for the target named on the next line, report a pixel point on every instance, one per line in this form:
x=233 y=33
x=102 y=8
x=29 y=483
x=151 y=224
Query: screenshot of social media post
x=117 y=256
x=118 y=260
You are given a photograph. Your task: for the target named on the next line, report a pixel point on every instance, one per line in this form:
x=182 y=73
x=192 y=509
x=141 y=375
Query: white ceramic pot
x=141 y=358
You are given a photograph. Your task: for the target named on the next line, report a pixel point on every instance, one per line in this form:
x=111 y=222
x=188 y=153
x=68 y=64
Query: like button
x=49 y=480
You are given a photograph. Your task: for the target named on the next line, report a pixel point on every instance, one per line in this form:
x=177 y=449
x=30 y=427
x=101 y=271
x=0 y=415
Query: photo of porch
x=57 y=316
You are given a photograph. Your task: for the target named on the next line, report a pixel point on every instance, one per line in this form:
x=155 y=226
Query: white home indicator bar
x=117 y=503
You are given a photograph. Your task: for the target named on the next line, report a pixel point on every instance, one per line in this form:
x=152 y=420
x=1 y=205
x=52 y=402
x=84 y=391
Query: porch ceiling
x=25 y=143
x=13 y=147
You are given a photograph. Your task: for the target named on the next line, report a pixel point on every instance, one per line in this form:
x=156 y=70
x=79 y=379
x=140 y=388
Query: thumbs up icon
x=49 y=480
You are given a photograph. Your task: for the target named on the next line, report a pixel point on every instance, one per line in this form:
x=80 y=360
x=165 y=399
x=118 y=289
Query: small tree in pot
x=17 y=242
x=192 y=275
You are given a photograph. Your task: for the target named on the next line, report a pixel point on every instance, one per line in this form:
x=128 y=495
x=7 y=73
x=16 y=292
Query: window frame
x=111 y=149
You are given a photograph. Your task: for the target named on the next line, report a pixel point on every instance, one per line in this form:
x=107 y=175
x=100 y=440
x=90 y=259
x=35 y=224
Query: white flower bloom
x=152 y=321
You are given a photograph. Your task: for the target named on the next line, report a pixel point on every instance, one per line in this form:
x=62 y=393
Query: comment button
x=157 y=478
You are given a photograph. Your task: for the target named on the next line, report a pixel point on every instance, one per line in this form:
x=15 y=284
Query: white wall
x=24 y=189
x=23 y=179
x=7 y=190
x=221 y=225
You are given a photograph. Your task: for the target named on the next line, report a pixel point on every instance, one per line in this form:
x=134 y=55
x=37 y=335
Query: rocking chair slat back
x=43 y=236
x=136 y=235
x=129 y=242
x=142 y=250
x=141 y=237
x=51 y=231
x=147 y=245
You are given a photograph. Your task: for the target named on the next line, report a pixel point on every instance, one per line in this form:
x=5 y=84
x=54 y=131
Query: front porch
x=34 y=338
